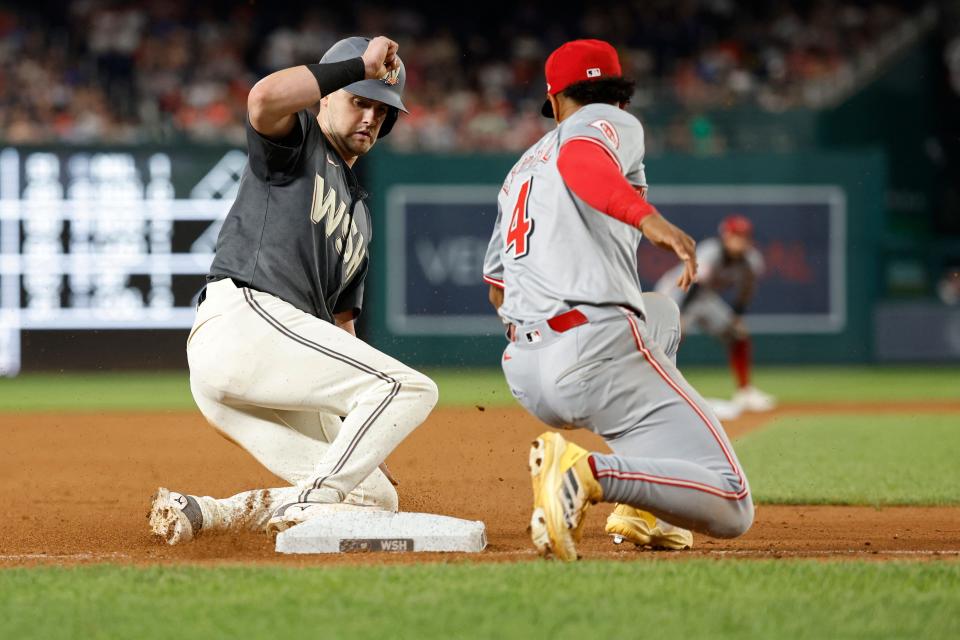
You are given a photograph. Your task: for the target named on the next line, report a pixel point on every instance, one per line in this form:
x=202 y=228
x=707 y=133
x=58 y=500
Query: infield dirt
x=76 y=488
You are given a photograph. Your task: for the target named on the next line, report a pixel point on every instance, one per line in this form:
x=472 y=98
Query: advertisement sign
x=437 y=236
x=801 y=233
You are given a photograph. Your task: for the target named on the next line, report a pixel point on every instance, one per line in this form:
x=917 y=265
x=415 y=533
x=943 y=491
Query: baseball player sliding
x=728 y=262
x=587 y=348
x=275 y=364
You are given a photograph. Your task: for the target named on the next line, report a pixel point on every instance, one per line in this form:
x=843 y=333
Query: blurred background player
x=730 y=262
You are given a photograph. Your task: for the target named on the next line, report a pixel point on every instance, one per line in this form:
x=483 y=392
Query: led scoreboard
x=107 y=239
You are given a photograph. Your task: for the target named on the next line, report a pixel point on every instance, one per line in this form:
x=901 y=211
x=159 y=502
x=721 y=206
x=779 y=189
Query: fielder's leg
x=626 y=523
x=676 y=461
x=747 y=397
x=710 y=313
x=671 y=456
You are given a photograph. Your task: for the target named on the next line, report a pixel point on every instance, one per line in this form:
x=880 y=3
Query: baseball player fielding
x=586 y=348
x=729 y=262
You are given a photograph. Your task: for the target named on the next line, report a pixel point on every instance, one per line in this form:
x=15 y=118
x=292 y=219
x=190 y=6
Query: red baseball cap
x=576 y=61
x=737 y=225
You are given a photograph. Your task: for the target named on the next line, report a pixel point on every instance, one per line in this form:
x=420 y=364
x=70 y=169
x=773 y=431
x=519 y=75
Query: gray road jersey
x=550 y=250
x=715 y=270
x=299 y=228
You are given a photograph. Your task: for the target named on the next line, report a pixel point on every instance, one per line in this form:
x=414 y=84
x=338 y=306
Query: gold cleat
x=646 y=530
x=563 y=490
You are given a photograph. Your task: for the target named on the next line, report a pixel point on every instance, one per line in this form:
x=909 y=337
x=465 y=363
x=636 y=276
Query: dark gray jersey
x=299 y=228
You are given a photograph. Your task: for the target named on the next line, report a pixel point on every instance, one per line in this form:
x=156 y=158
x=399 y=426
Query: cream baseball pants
x=316 y=406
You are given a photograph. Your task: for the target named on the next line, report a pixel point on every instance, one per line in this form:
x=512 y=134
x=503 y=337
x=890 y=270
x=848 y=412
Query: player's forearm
x=274 y=101
x=596 y=179
x=282 y=93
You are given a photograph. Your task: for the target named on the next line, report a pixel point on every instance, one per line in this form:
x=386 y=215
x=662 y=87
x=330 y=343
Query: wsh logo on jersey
x=327 y=209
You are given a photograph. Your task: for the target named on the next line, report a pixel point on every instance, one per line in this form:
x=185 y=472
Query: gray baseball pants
x=617 y=376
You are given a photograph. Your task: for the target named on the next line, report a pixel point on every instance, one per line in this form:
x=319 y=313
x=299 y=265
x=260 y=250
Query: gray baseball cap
x=388 y=91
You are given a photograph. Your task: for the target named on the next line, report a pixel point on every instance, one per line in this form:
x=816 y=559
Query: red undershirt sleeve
x=591 y=171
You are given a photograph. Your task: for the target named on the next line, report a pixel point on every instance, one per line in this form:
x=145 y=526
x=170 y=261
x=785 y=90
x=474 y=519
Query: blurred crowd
x=102 y=71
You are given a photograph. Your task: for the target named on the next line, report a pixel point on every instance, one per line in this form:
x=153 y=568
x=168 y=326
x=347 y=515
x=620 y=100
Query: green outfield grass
x=132 y=391
x=804 y=384
x=662 y=599
x=843 y=459
x=170 y=391
x=790 y=384
x=894 y=458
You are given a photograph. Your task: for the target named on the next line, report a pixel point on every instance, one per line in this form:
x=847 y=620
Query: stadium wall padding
x=859 y=175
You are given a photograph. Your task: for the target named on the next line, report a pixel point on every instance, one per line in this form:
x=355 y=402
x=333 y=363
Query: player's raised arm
x=591 y=172
x=274 y=101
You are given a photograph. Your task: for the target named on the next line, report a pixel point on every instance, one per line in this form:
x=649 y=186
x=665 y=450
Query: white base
x=369 y=530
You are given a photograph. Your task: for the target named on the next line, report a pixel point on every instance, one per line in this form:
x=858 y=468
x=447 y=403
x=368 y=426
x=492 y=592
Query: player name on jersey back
x=550 y=250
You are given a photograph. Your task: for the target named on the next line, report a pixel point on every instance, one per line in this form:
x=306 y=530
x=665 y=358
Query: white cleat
x=174 y=517
x=724 y=409
x=752 y=399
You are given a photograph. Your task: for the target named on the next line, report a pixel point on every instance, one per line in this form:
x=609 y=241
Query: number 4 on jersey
x=521 y=226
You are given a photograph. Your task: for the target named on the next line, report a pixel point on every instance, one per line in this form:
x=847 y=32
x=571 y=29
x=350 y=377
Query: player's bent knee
x=416 y=390
x=735 y=521
x=736 y=330
x=216 y=379
x=210 y=403
x=663 y=322
x=421 y=388
x=728 y=336
x=663 y=307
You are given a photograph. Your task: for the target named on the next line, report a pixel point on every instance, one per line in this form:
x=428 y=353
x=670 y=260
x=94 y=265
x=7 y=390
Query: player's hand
x=665 y=235
x=380 y=58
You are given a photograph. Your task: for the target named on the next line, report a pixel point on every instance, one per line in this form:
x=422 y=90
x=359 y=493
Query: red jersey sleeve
x=589 y=169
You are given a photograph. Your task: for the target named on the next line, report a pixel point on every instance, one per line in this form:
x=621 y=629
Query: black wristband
x=332 y=76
